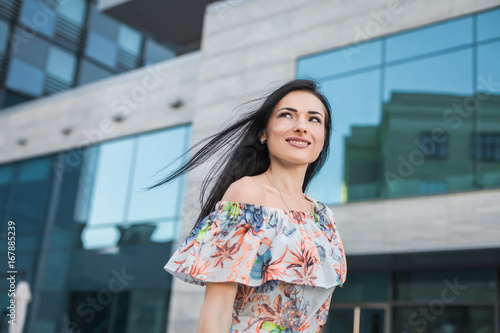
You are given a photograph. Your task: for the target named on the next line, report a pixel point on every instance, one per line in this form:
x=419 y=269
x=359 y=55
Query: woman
x=269 y=255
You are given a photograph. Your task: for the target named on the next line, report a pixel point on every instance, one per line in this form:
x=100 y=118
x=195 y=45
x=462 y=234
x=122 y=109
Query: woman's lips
x=298 y=144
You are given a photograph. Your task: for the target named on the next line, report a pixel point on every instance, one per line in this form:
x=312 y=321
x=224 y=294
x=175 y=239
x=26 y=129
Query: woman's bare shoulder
x=245 y=190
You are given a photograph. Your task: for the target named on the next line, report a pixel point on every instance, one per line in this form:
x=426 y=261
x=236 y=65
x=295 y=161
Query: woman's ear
x=263 y=136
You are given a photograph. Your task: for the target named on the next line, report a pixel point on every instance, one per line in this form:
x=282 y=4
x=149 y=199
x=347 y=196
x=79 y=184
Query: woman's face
x=296 y=129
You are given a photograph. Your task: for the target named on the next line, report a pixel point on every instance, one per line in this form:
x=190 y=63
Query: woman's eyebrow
x=294 y=110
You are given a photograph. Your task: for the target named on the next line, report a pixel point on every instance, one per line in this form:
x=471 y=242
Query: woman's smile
x=298 y=143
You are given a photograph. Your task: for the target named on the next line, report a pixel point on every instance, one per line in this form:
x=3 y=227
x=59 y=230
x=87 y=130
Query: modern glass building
x=413 y=175
x=89 y=235
x=51 y=46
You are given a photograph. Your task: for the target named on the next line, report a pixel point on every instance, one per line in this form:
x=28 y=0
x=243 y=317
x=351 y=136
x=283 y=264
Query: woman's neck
x=287 y=180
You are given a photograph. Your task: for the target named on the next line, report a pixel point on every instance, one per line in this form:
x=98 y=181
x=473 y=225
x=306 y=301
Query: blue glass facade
x=415 y=113
x=50 y=46
x=90 y=240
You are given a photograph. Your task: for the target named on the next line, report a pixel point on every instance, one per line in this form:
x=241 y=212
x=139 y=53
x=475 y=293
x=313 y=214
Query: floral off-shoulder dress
x=287 y=264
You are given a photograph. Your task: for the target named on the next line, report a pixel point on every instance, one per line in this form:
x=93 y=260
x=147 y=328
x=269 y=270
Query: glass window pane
x=362 y=287
x=112 y=177
x=50 y=312
x=11 y=98
x=6 y=177
x=427 y=95
x=129 y=40
x=61 y=64
x=155 y=52
x=444 y=74
x=363 y=113
x=101 y=49
x=31 y=195
x=4 y=36
x=488 y=25
x=66 y=229
x=488 y=69
x=343 y=60
x=98 y=238
x=372 y=321
x=147 y=309
x=25 y=78
x=340 y=320
x=155 y=151
x=91 y=73
x=166 y=231
x=103 y=24
x=430 y=39
x=111 y=316
x=35 y=51
x=38 y=16
x=462 y=286
x=441 y=317
x=487 y=148
x=73 y=11
x=54 y=270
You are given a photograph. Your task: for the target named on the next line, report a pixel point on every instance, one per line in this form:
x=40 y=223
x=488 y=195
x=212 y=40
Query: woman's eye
x=317 y=119
x=284 y=114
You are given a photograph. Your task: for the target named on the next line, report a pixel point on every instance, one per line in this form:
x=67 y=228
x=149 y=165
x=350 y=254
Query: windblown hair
x=243 y=154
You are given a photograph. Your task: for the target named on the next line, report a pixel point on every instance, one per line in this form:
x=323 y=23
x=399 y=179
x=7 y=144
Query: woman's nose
x=300 y=126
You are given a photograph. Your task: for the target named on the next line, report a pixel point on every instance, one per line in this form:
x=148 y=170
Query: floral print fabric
x=287 y=263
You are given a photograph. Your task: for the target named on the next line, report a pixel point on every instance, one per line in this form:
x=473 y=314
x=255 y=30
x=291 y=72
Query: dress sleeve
x=252 y=244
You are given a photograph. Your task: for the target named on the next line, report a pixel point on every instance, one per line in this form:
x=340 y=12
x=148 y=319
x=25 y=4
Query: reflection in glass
x=155 y=52
x=50 y=309
x=53 y=270
x=165 y=232
x=477 y=319
x=147 y=309
x=101 y=49
x=363 y=287
x=488 y=25
x=25 y=78
x=475 y=286
x=73 y=10
x=432 y=126
x=61 y=64
x=12 y=98
x=38 y=16
x=112 y=176
x=102 y=24
x=340 y=61
x=112 y=316
x=35 y=52
x=438 y=147
x=349 y=113
x=6 y=177
x=450 y=73
x=31 y=195
x=340 y=320
x=154 y=152
x=91 y=73
x=434 y=38
x=484 y=144
x=135 y=234
x=372 y=321
x=129 y=40
x=102 y=237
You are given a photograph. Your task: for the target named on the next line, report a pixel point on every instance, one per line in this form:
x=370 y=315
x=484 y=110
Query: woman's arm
x=216 y=311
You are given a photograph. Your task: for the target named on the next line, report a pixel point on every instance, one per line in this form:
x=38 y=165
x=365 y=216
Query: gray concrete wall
x=251 y=47
x=142 y=97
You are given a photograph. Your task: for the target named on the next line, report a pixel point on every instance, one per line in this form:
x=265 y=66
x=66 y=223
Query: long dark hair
x=243 y=154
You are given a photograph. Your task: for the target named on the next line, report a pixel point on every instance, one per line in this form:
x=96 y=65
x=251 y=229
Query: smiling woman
x=269 y=255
